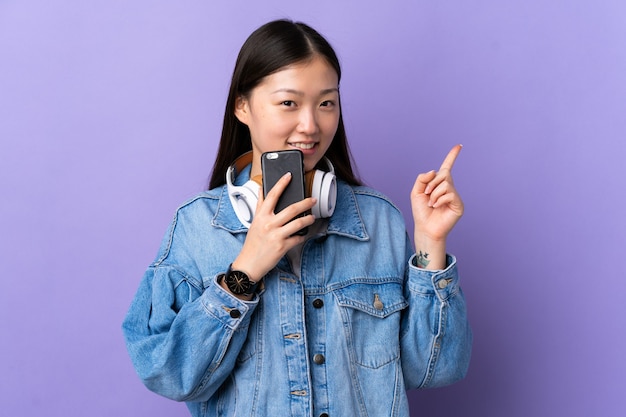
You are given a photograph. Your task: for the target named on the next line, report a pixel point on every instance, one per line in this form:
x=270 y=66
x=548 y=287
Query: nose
x=307 y=123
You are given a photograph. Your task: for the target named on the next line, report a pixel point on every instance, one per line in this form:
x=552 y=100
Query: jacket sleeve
x=183 y=339
x=436 y=339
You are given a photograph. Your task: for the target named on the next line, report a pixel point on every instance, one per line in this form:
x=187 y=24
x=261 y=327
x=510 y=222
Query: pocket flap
x=376 y=299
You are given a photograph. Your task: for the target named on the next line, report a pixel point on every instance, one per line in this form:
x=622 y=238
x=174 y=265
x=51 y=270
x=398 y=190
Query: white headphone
x=321 y=185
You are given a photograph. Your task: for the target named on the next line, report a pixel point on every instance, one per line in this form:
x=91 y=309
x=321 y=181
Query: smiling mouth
x=303 y=145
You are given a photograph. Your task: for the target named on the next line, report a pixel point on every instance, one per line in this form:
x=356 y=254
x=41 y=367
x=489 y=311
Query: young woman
x=240 y=316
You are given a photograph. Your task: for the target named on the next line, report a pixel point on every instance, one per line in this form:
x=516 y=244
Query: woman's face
x=294 y=108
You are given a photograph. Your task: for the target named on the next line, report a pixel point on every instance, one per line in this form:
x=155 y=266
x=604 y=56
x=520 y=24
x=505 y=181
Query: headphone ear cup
x=244 y=200
x=324 y=189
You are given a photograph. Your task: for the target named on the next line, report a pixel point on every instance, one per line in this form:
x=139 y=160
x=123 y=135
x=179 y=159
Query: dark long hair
x=270 y=48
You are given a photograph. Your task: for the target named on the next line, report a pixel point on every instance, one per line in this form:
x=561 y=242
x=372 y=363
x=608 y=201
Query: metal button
x=234 y=313
x=442 y=284
x=324 y=415
x=318 y=303
x=378 y=305
x=319 y=359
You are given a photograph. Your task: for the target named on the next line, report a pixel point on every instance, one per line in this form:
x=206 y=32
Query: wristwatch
x=239 y=283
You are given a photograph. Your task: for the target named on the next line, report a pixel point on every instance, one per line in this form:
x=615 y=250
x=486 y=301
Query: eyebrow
x=300 y=93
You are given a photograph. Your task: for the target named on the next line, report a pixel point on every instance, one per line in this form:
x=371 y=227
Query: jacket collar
x=345 y=221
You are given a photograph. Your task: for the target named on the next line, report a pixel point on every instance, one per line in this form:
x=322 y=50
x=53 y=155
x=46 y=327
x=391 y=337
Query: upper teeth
x=304 y=145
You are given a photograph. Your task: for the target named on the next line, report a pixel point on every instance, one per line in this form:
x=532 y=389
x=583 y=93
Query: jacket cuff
x=230 y=310
x=443 y=282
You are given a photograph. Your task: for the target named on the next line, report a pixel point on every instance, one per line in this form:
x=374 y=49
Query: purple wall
x=109 y=117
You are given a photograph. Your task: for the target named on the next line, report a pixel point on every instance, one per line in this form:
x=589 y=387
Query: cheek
x=275 y=123
x=329 y=126
x=265 y=127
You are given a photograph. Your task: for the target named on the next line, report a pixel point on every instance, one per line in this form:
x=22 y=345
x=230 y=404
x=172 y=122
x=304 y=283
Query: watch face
x=238 y=282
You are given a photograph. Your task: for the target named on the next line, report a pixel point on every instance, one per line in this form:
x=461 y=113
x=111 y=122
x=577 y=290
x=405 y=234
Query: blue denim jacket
x=347 y=336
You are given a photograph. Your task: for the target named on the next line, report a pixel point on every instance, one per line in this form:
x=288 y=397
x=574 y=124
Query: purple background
x=110 y=112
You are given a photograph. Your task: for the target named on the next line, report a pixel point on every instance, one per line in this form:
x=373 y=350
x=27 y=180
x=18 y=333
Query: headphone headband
x=320 y=184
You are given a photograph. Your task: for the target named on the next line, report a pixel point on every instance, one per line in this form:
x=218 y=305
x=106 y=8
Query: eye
x=288 y=103
x=327 y=103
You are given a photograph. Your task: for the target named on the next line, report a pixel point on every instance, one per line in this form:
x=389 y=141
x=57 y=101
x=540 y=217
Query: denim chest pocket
x=371 y=315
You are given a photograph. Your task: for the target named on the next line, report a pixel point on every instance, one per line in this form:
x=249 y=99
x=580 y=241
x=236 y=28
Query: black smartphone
x=276 y=164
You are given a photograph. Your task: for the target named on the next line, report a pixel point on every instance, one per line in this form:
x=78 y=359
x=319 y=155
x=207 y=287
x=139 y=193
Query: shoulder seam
x=172 y=227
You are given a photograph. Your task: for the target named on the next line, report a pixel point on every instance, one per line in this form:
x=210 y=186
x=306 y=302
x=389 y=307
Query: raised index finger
x=450 y=158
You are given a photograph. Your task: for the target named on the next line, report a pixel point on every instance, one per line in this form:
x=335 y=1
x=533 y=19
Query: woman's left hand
x=435 y=203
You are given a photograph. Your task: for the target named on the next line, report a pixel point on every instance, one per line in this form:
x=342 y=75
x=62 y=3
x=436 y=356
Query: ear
x=242 y=109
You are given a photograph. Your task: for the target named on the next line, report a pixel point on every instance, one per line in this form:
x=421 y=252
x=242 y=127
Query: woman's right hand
x=271 y=235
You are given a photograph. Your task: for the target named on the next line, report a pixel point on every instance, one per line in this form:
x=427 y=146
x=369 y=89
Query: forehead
x=314 y=73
